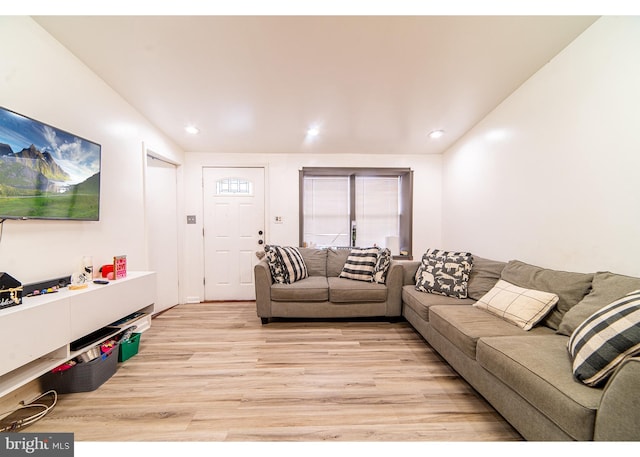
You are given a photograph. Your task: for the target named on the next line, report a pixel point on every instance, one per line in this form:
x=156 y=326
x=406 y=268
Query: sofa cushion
x=312 y=289
x=569 y=287
x=605 y=339
x=316 y=261
x=538 y=368
x=464 y=325
x=348 y=291
x=336 y=259
x=606 y=288
x=360 y=264
x=420 y=302
x=520 y=306
x=444 y=273
x=485 y=273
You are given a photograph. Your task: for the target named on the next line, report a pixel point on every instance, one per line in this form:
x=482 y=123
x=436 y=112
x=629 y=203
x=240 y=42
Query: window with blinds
x=326 y=211
x=377 y=209
x=343 y=207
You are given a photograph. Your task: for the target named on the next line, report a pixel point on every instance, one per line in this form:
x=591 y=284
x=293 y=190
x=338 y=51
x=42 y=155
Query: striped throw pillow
x=360 y=264
x=286 y=264
x=605 y=339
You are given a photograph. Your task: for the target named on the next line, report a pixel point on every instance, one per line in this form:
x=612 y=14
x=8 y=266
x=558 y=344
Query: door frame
x=267 y=208
x=149 y=152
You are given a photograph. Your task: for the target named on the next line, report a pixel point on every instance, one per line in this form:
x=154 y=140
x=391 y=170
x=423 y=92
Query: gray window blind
x=377 y=215
x=326 y=211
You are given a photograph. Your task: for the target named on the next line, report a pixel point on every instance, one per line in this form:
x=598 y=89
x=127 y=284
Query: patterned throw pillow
x=360 y=264
x=605 y=339
x=444 y=273
x=520 y=306
x=382 y=266
x=286 y=264
x=275 y=264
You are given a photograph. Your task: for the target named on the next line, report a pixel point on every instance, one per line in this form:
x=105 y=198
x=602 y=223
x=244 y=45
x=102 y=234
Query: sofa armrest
x=262 y=282
x=618 y=417
x=409 y=268
x=394 y=285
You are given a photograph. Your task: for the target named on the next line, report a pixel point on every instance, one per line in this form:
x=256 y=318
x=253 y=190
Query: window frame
x=406 y=196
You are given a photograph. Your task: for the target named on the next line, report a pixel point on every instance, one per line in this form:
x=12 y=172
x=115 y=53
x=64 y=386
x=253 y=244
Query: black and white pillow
x=382 y=266
x=275 y=264
x=360 y=264
x=444 y=273
x=286 y=264
x=600 y=344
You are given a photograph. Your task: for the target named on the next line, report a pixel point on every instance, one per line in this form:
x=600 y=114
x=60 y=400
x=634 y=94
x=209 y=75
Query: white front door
x=233 y=230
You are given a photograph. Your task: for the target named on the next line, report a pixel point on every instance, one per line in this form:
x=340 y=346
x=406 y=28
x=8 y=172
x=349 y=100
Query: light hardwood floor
x=212 y=372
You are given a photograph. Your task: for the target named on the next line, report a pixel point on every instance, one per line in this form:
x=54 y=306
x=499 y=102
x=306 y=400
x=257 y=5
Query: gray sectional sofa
x=527 y=375
x=323 y=294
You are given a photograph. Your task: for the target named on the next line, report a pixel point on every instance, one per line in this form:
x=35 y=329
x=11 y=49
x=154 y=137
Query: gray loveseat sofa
x=527 y=375
x=323 y=294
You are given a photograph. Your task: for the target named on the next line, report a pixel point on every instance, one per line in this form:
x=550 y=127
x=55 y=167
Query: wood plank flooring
x=211 y=372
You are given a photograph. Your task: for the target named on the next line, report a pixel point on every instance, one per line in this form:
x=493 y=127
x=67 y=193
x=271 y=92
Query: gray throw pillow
x=606 y=288
x=316 y=261
x=485 y=274
x=568 y=286
x=336 y=258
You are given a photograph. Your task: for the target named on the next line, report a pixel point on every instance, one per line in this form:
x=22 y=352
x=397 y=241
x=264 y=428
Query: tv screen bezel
x=4 y=217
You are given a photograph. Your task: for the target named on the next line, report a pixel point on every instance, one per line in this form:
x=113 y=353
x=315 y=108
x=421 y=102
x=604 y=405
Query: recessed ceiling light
x=193 y=130
x=313 y=131
x=436 y=134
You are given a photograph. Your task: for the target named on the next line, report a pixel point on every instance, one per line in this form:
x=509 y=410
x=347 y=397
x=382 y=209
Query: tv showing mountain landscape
x=45 y=172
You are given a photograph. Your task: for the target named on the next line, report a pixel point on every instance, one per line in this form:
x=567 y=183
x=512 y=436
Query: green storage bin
x=129 y=348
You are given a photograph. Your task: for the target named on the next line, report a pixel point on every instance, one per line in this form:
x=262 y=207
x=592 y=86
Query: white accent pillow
x=520 y=306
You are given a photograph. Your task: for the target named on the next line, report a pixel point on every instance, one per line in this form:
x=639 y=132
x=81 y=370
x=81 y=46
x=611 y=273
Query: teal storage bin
x=129 y=348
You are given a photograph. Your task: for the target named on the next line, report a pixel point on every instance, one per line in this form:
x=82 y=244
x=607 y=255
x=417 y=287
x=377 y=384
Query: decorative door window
x=234 y=187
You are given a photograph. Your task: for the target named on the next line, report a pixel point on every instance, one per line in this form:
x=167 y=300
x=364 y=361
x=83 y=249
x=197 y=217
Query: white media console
x=37 y=334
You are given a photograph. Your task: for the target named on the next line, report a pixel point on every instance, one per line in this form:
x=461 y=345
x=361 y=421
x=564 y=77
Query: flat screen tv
x=45 y=172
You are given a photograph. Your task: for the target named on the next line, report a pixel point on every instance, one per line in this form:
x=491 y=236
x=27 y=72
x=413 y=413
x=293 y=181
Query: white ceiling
x=374 y=84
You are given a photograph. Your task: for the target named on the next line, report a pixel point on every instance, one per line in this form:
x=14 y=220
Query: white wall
x=282 y=198
x=43 y=80
x=551 y=175
x=548 y=177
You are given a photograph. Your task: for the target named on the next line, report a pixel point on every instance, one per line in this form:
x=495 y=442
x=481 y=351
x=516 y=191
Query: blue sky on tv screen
x=80 y=158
